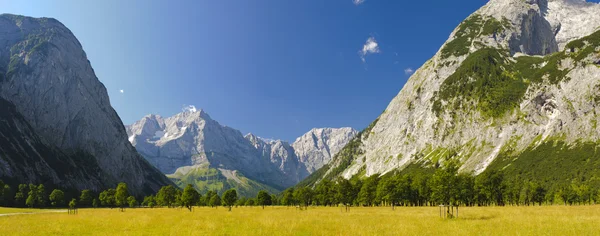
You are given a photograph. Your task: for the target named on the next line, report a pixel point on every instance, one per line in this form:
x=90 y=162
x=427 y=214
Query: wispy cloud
x=121 y=91
x=370 y=47
x=358 y=2
x=409 y=71
x=189 y=108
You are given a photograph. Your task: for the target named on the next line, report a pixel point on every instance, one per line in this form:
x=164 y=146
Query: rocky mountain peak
x=47 y=76
x=513 y=76
x=317 y=147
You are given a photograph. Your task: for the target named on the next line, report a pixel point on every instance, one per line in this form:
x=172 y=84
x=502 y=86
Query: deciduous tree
x=85 y=200
x=189 y=197
x=121 y=195
x=229 y=198
x=57 y=198
x=263 y=198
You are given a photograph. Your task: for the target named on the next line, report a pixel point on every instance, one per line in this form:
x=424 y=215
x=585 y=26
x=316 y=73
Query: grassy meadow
x=545 y=220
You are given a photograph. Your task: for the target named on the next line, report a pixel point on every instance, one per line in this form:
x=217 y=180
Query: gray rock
x=52 y=84
x=191 y=138
x=409 y=131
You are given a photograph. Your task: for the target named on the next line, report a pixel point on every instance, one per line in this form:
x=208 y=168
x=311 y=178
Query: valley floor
x=545 y=220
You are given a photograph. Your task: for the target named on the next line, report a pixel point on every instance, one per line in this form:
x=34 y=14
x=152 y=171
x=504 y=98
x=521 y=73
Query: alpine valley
x=515 y=89
x=192 y=148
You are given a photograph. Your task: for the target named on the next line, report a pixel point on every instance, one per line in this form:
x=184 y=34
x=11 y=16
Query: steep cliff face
x=46 y=75
x=193 y=148
x=509 y=79
x=25 y=159
x=281 y=155
x=317 y=147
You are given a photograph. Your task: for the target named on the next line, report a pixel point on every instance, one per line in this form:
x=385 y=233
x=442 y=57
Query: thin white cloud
x=370 y=47
x=190 y=108
x=121 y=91
x=409 y=71
x=358 y=2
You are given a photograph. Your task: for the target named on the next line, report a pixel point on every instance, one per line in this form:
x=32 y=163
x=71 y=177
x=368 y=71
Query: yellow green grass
x=19 y=210
x=545 y=220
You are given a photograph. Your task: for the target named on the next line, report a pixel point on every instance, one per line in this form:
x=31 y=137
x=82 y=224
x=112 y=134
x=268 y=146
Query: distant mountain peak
x=191 y=138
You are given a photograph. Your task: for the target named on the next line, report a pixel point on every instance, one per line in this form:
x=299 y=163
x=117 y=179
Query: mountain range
x=515 y=88
x=192 y=148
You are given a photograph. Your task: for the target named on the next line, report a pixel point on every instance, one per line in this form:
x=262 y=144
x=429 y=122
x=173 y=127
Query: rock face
x=192 y=142
x=317 y=147
x=513 y=76
x=24 y=158
x=46 y=75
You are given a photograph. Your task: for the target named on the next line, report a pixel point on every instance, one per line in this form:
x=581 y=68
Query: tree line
x=169 y=196
x=444 y=186
x=36 y=196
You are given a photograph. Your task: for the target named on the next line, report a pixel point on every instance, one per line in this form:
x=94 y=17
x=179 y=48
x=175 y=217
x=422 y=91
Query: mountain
x=515 y=88
x=192 y=148
x=24 y=158
x=317 y=147
x=56 y=104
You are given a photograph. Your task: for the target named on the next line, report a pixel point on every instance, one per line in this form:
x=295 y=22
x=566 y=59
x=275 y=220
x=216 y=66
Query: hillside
x=515 y=88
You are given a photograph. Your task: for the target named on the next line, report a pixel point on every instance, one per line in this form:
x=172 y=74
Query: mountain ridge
x=509 y=78
x=178 y=145
x=47 y=76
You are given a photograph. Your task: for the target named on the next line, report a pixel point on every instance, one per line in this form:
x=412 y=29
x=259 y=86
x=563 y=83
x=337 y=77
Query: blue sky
x=276 y=68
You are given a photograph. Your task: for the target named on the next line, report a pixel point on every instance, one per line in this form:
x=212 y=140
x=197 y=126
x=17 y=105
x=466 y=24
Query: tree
x=229 y=198
x=325 y=193
x=204 y=200
x=422 y=188
x=107 y=197
x=95 y=203
x=166 y=196
x=539 y=194
x=21 y=195
x=444 y=186
x=344 y=192
x=250 y=202
x=57 y=198
x=149 y=201
x=387 y=191
x=42 y=196
x=73 y=203
x=405 y=195
x=288 y=197
x=274 y=200
x=32 y=196
x=466 y=188
x=304 y=196
x=263 y=198
x=132 y=202
x=368 y=190
x=85 y=200
x=121 y=195
x=241 y=201
x=189 y=197
x=490 y=186
x=178 y=199
x=214 y=201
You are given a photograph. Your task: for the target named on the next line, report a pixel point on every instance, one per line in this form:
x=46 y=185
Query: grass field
x=546 y=220
x=4 y=210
